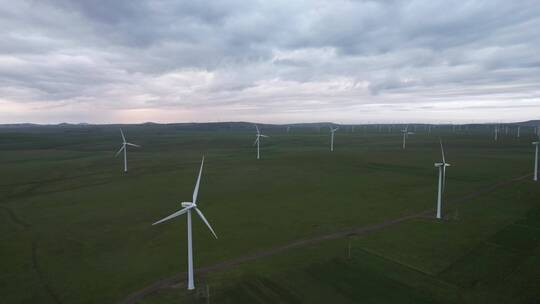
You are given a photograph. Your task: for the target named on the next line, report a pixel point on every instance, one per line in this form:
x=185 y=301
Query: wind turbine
x=332 y=131
x=536 y=143
x=496 y=133
x=518 y=131
x=258 y=141
x=124 y=148
x=442 y=180
x=406 y=133
x=187 y=207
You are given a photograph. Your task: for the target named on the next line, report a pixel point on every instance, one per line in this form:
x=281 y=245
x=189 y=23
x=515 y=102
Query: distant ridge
x=528 y=123
x=245 y=124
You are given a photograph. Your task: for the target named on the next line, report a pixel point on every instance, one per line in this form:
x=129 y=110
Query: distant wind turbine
x=496 y=133
x=406 y=134
x=187 y=207
x=332 y=131
x=518 y=131
x=536 y=143
x=442 y=181
x=124 y=148
x=258 y=140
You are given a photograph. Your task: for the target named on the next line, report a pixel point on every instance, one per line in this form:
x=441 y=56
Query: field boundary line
x=14 y=217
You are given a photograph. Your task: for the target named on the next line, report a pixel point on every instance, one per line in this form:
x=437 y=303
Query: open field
x=76 y=229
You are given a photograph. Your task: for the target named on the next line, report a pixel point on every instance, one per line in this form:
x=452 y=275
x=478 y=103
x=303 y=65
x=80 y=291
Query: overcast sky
x=270 y=61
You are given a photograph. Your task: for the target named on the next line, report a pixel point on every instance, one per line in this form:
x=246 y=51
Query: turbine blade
x=196 y=190
x=256 y=140
x=177 y=213
x=264 y=135
x=134 y=145
x=205 y=221
x=257 y=129
x=122 y=148
x=442 y=151
x=122 y=133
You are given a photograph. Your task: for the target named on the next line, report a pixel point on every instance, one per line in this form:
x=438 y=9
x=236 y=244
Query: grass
x=78 y=230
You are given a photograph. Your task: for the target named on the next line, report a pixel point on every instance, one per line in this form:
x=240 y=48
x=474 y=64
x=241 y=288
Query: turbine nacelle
x=188 y=204
x=442 y=164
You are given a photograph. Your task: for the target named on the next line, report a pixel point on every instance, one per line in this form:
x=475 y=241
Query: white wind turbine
x=406 y=133
x=332 y=131
x=442 y=181
x=496 y=133
x=258 y=141
x=536 y=143
x=124 y=148
x=187 y=207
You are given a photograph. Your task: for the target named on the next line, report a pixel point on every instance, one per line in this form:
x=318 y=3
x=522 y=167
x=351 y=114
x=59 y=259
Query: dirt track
x=170 y=281
x=54 y=296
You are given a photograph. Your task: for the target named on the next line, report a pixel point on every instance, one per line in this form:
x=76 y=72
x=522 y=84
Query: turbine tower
x=187 y=207
x=332 y=131
x=442 y=181
x=535 y=178
x=124 y=148
x=258 y=141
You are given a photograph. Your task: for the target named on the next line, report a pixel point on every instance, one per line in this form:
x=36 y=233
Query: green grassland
x=75 y=229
